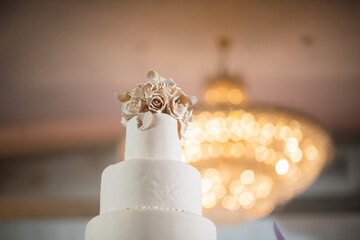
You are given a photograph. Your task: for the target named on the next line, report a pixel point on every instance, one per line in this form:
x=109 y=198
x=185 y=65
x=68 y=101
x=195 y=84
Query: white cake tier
x=150 y=224
x=151 y=183
x=160 y=141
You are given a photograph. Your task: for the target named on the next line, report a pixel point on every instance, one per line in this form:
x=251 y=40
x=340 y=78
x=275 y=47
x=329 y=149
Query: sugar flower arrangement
x=156 y=95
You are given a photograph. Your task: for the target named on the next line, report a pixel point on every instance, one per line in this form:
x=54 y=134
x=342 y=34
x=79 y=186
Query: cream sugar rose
x=152 y=194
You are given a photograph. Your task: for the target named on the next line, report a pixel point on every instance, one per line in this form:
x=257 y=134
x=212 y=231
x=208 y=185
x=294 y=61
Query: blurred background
x=62 y=61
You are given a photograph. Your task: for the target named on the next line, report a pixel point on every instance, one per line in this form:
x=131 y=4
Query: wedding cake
x=152 y=194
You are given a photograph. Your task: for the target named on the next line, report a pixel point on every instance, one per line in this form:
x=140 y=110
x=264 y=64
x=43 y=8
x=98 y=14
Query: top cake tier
x=156 y=114
x=156 y=95
x=160 y=141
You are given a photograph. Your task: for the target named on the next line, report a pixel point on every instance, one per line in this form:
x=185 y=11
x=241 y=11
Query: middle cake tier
x=151 y=183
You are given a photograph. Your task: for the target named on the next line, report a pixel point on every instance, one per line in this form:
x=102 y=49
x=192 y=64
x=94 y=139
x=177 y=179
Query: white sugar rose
x=176 y=108
x=170 y=91
x=179 y=104
x=154 y=84
x=157 y=102
x=132 y=107
x=149 y=89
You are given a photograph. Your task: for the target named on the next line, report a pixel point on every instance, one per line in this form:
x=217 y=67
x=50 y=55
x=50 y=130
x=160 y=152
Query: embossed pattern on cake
x=152 y=194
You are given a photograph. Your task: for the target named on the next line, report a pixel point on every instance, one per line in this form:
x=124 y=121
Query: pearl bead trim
x=156 y=207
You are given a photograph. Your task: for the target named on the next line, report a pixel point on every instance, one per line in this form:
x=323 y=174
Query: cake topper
x=157 y=95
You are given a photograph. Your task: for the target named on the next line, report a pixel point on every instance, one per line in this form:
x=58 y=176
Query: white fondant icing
x=151 y=183
x=160 y=141
x=150 y=224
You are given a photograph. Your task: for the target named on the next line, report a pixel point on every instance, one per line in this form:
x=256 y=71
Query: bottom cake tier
x=150 y=224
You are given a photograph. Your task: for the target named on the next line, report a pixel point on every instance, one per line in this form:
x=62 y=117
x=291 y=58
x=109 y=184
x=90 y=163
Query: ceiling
x=61 y=62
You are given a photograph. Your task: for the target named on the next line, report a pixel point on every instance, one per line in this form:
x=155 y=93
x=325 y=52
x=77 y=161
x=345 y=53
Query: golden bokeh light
x=282 y=166
x=246 y=199
x=311 y=152
x=219 y=191
x=208 y=200
x=247 y=177
x=296 y=155
x=231 y=203
x=264 y=188
x=235 y=96
x=292 y=144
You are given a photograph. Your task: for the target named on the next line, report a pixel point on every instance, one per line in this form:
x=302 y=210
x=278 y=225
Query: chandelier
x=251 y=157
